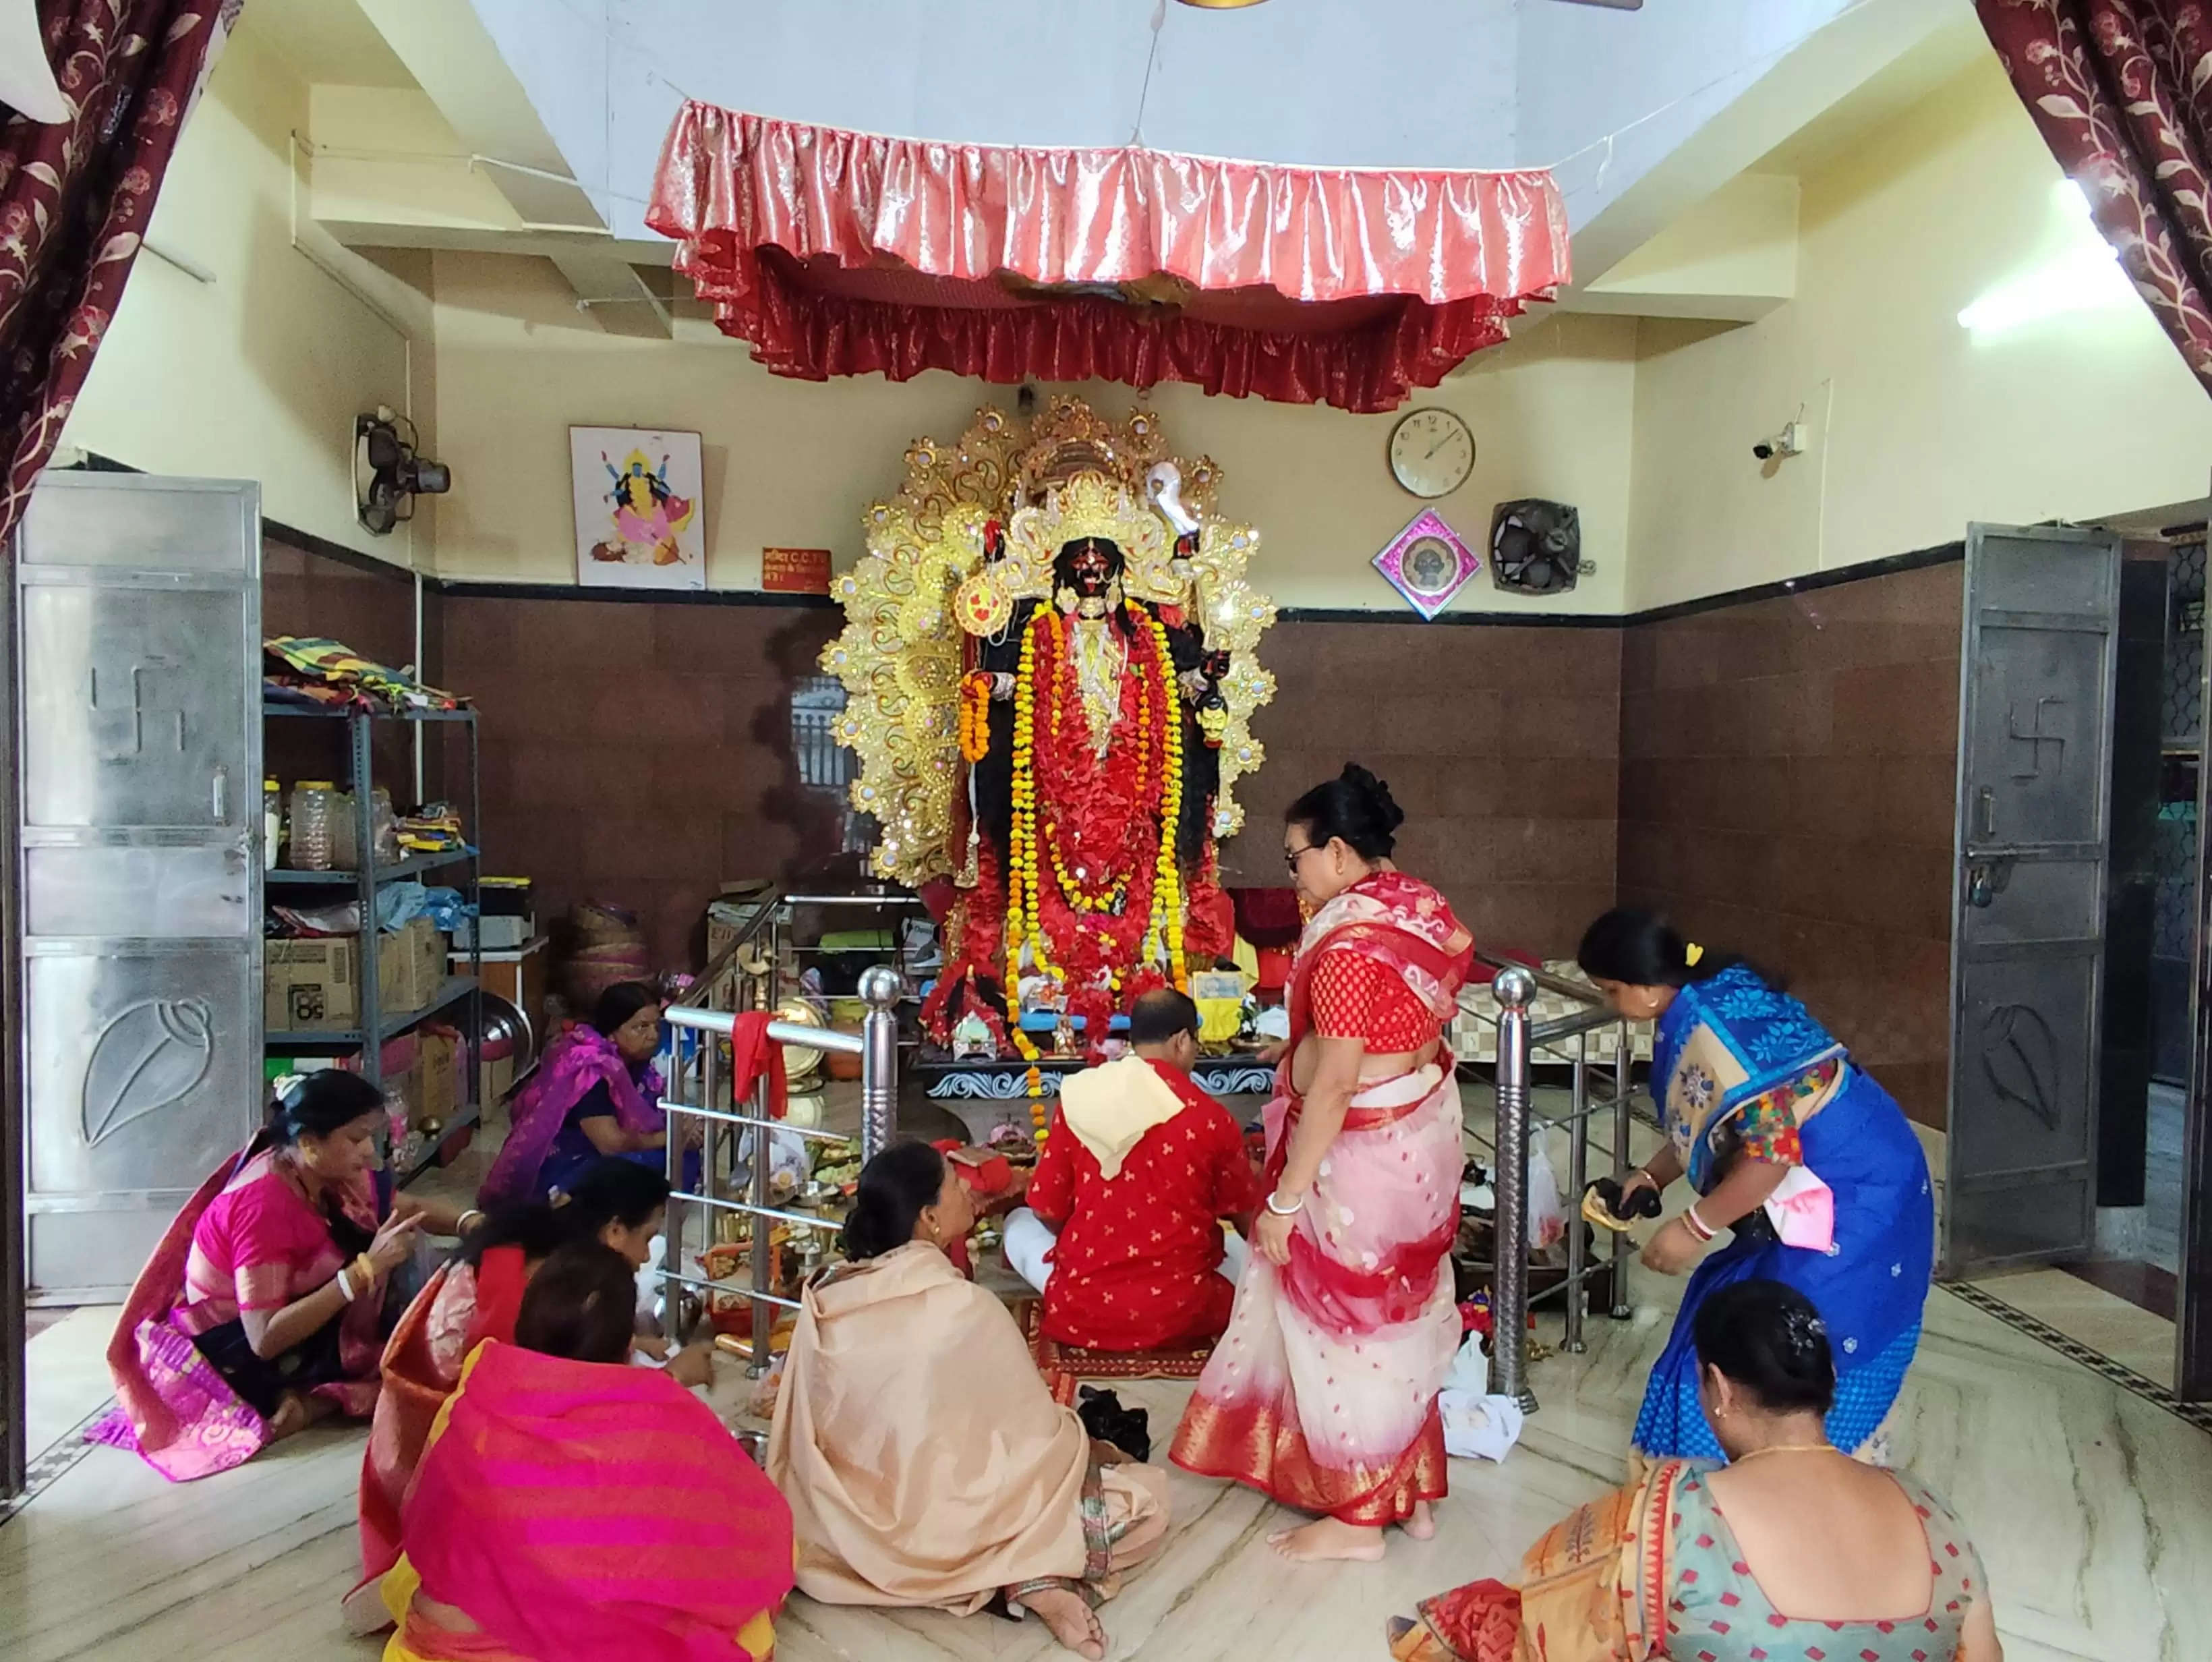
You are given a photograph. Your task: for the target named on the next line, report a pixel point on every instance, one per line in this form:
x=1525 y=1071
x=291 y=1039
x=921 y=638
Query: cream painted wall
x=1916 y=425
x=795 y=464
x=258 y=374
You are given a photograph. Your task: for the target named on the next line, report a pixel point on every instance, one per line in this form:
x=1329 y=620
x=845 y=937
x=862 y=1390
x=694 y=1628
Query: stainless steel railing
x=747 y=973
x=877 y=1046
x=1519 y=1040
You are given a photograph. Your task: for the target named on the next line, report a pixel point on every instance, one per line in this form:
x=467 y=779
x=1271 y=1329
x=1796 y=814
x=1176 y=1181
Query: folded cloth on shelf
x=313 y=658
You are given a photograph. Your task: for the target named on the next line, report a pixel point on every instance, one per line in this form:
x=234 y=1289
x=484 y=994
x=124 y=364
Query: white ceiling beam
x=1827 y=66
x=458 y=65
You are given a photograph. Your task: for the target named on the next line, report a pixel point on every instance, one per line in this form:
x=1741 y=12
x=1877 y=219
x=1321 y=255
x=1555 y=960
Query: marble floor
x=2092 y=1507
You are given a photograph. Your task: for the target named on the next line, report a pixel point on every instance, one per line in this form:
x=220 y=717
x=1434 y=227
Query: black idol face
x=1088 y=566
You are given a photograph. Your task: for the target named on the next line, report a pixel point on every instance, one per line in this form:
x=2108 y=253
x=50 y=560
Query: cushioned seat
x=1064 y=1366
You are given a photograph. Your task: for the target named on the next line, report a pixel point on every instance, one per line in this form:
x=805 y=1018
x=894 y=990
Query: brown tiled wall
x=1786 y=790
x=1778 y=774
x=1501 y=744
x=639 y=752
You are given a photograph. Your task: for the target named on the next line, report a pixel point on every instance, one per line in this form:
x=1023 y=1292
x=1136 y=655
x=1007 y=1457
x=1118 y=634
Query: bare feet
x=1072 y=1622
x=295 y=1413
x=1326 y=1539
x=1422 y=1526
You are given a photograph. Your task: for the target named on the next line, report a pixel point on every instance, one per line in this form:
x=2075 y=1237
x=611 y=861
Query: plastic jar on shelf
x=310 y=824
x=272 y=822
x=346 y=831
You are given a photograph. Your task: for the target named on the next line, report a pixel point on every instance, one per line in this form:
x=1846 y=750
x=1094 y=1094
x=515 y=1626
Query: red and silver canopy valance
x=843 y=253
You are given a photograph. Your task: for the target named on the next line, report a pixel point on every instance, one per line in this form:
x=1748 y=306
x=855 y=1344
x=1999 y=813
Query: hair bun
x=1380 y=802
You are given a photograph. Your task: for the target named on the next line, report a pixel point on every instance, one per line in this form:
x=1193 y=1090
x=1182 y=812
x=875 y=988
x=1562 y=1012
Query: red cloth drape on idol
x=841 y=254
x=76 y=197
x=2122 y=90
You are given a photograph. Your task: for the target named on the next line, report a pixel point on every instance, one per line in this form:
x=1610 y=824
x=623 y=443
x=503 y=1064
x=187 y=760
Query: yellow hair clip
x=1692 y=953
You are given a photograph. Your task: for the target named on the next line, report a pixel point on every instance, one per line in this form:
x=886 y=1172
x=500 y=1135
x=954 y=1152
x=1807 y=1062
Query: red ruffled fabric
x=839 y=254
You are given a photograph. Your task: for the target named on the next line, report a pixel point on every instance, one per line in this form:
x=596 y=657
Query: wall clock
x=1431 y=453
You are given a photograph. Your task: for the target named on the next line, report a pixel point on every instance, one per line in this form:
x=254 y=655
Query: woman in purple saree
x=595 y=1095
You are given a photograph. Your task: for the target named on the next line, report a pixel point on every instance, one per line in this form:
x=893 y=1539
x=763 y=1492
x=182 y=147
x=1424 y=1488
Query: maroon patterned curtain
x=75 y=200
x=2122 y=90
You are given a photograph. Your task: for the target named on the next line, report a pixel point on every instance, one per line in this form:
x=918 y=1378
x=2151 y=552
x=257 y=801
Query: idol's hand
x=1271 y=1234
x=1193 y=683
x=1672 y=1250
x=1002 y=687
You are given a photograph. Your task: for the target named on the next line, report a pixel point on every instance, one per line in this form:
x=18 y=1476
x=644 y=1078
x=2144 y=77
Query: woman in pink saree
x=264 y=1307
x=1323 y=1393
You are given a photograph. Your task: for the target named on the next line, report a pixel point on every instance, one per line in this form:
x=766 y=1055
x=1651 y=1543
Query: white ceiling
x=1955 y=46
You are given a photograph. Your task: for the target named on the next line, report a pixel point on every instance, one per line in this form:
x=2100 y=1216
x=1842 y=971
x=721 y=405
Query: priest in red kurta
x=1123 y=1232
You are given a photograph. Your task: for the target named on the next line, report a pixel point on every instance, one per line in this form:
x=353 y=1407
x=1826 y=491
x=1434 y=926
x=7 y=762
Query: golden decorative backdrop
x=924 y=584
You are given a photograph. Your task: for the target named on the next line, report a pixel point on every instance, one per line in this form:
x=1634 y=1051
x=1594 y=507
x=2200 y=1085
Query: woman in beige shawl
x=925 y=1461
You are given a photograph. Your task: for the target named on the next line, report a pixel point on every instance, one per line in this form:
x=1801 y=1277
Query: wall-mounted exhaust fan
x=387 y=474
x=1535 y=547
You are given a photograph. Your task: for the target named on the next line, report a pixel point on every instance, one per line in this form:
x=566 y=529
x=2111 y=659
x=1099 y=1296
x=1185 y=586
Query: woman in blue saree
x=1789 y=1145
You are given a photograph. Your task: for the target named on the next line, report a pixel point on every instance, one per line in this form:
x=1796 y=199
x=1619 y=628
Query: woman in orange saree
x=570 y=1508
x=1323 y=1393
x=477 y=1297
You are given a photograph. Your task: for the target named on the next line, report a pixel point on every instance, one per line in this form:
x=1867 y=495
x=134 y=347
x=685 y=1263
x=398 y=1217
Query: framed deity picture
x=640 y=523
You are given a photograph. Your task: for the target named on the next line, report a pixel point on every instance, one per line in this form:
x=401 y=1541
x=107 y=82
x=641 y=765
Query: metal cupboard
x=138 y=650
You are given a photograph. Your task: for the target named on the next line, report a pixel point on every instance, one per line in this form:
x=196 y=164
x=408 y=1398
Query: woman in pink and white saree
x=1323 y=1393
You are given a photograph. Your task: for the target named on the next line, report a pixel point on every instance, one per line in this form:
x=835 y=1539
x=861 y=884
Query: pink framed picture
x=1428 y=563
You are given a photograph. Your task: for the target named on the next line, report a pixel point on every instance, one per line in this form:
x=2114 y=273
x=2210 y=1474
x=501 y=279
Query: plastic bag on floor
x=1477 y=1426
x=1547 y=1213
x=1470 y=1369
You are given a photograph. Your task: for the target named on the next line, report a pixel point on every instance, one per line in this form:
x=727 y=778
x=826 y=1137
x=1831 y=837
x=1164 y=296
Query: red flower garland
x=1098 y=816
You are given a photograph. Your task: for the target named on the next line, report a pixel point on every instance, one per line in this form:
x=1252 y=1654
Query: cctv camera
x=1789 y=441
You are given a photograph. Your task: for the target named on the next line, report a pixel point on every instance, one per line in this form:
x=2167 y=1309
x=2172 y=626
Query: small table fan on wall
x=1535 y=547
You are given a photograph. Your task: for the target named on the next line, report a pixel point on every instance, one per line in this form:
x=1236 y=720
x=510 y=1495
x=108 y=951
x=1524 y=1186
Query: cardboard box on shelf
x=436 y=1095
x=310 y=986
x=316 y=984
x=412 y=966
x=496 y=1076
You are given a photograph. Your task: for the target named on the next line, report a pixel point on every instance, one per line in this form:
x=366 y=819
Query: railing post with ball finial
x=880 y=989
x=1509 y=1285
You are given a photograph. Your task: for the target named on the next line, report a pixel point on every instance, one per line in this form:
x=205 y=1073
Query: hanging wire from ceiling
x=1152 y=57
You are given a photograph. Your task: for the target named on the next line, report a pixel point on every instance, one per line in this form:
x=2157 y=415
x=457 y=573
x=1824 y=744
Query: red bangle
x=1696 y=1225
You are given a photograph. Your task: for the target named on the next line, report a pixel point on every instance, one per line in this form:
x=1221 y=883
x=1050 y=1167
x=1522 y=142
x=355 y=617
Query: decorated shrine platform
x=1006 y=1080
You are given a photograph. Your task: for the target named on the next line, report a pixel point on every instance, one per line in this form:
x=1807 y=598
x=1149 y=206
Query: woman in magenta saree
x=595 y=1095
x=1323 y=1393
x=263 y=1309
x=569 y=1506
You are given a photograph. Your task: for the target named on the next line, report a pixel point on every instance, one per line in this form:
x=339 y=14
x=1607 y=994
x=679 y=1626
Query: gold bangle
x=364 y=1270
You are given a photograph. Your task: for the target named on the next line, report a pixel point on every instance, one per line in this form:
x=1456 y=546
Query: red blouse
x=1355 y=997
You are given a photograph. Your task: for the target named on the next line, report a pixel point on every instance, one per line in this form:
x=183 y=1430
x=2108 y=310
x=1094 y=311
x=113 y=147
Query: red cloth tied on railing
x=838 y=253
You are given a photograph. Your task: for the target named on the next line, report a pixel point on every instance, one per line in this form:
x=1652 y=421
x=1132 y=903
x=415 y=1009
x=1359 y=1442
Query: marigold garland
x=974 y=716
